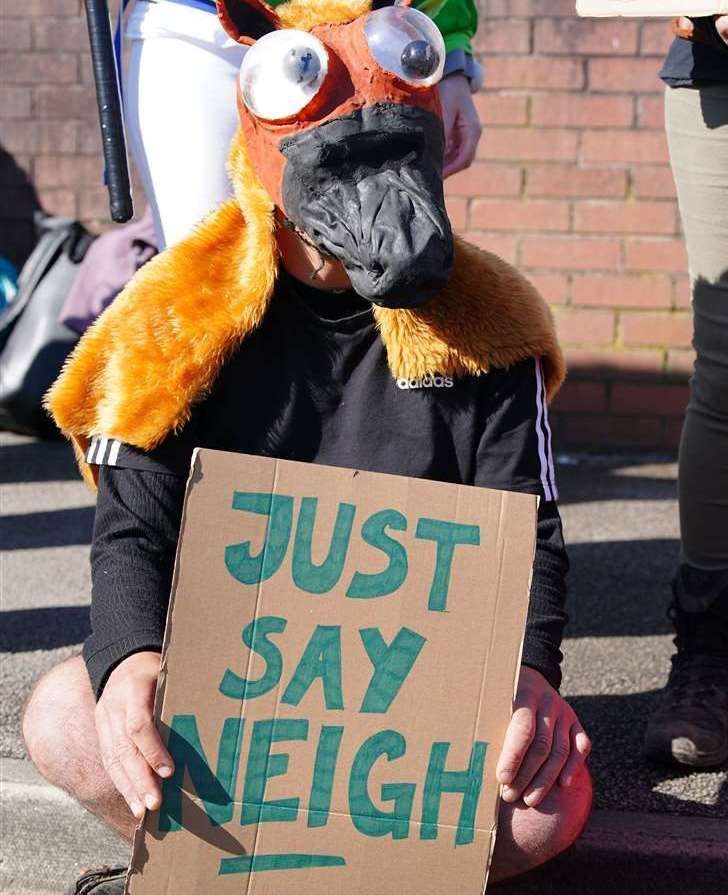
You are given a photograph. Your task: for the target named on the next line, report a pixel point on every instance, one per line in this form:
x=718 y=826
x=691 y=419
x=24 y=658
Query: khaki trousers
x=697 y=129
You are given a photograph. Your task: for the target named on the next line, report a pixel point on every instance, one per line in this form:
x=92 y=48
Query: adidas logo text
x=426 y=382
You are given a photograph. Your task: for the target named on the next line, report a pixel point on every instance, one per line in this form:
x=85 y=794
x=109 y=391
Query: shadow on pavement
x=24 y=630
x=620 y=588
x=37 y=461
x=623 y=779
x=588 y=869
x=602 y=477
x=51 y=528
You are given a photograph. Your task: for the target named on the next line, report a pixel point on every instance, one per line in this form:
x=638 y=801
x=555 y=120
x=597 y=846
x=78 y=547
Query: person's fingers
x=580 y=749
x=464 y=144
x=721 y=26
x=683 y=27
x=538 y=752
x=449 y=108
x=145 y=736
x=540 y=786
x=515 y=745
x=113 y=766
x=449 y=128
x=141 y=776
x=452 y=141
x=455 y=161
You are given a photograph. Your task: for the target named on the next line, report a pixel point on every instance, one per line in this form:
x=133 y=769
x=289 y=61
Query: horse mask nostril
x=419 y=59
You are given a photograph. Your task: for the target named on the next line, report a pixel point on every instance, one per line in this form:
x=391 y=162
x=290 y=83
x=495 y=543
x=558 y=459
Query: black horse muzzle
x=367 y=190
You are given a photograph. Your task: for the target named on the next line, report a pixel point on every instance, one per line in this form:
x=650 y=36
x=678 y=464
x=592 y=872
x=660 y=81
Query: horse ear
x=247 y=20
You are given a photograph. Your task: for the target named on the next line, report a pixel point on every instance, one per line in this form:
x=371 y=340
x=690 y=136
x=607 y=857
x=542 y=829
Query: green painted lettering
x=320 y=659
x=324 y=768
x=255 y=637
x=259 y=863
x=366 y=817
x=319 y=579
x=438 y=781
x=242 y=565
x=217 y=791
x=447 y=535
x=391 y=664
x=262 y=766
x=364 y=585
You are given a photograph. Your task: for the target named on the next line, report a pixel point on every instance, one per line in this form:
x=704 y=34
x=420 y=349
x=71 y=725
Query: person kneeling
x=288 y=325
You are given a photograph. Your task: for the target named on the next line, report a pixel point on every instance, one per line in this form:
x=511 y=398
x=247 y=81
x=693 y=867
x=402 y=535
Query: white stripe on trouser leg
x=540 y=435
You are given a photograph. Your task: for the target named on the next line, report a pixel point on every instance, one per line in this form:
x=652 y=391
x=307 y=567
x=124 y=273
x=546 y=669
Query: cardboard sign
x=651 y=8
x=336 y=682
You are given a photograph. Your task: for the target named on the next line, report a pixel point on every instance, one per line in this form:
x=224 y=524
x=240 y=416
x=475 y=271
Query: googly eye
x=406 y=43
x=281 y=73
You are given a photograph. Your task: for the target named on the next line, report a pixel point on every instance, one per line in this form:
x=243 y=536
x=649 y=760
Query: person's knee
x=57 y=718
x=572 y=813
x=529 y=837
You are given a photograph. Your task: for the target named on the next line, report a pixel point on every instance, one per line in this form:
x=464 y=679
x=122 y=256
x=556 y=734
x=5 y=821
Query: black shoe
x=690 y=725
x=102 y=881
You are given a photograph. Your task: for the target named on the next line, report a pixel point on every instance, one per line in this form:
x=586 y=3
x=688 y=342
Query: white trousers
x=179 y=111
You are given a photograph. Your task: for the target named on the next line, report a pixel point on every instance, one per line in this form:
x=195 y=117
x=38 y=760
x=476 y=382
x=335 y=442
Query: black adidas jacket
x=312 y=384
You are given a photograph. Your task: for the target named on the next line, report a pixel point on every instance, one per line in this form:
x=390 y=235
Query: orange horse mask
x=340 y=130
x=343 y=127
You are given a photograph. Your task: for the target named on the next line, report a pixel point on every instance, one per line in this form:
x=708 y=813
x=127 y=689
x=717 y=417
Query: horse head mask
x=341 y=133
x=341 y=118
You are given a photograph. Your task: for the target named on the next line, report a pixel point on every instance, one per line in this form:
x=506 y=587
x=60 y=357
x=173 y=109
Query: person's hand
x=544 y=743
x=721 y=26
x=131 y=749
x=684 y=27
x=461 y=122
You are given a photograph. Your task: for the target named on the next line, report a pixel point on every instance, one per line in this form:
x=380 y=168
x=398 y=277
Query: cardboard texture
x=650 y=8
x=336 y=682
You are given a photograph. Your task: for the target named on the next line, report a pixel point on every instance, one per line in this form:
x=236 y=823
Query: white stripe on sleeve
x=101 y=451
x=91 y=449
x=114 y=452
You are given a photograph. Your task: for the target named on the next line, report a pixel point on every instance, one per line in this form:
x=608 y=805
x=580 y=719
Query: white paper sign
x=651 y=8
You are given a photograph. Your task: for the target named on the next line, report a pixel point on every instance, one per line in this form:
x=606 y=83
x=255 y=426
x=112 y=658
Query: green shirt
x=456 y=19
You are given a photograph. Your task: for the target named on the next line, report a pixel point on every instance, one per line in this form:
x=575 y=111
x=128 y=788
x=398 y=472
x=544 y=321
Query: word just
x=320 y=578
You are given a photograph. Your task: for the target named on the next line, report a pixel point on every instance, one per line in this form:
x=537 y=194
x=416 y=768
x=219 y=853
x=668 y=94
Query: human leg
x=690 y=725
x=697 y=124
x=60 y=736
x=180 y=116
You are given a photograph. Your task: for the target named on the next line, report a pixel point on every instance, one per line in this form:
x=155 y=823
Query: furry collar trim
x=160 y=345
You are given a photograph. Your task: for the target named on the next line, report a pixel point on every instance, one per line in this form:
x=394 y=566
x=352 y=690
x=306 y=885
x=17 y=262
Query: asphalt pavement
x=655 y=830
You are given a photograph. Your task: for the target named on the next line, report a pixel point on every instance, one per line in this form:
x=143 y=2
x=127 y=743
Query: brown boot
x=690 y=725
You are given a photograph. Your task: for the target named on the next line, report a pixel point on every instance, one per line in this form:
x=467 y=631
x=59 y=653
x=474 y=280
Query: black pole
x=110 y=114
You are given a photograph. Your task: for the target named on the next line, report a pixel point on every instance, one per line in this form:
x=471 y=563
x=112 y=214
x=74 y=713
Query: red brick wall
x=49 y=143
x=571 y=184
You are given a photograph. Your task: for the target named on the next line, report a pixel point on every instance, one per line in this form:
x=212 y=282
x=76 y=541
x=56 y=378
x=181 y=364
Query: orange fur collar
x=159 y=347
